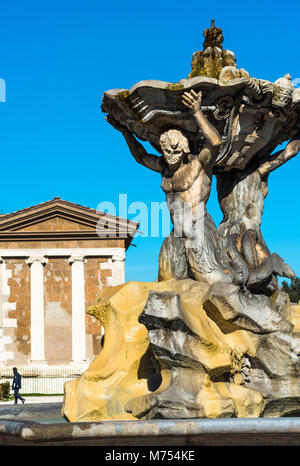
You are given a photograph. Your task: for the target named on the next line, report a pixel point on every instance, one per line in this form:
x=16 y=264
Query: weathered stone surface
x=117 y=373
x=158 y=432
x=228 y=305
x=285 y=407
x=194 y=362
x=186 y=365
x=31 y=411
x=199 y=385
x=124 y=367
x=166 y=354
x=190 y=395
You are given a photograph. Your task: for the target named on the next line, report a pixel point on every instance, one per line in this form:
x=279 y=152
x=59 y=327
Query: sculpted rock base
x=120 y=371
x=181 y=349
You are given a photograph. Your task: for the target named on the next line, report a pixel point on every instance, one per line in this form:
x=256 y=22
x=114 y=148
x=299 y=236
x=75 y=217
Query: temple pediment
x=59 y=219
x=55 y=223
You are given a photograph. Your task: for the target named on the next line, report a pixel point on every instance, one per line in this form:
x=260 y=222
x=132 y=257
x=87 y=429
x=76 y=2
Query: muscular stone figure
x=192 y=247
x=241 y=196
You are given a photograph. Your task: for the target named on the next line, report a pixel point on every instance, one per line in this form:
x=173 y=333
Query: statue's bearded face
x=174 y=145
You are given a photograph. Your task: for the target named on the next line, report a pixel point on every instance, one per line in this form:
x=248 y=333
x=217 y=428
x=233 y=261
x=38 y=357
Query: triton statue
x=215 y=335
x=241 y=196
x=192 y=246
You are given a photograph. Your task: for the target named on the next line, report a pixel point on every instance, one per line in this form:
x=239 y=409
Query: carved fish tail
x=241 y=272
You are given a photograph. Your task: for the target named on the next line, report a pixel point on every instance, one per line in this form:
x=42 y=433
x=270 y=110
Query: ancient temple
x=55 y=258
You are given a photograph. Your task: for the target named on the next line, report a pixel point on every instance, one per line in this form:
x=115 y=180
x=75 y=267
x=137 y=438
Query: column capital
x=41 y=259
x=78 y=258
x=118 y=258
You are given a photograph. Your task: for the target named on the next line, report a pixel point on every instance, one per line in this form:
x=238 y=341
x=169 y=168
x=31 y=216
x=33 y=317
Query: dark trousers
x=17 y=396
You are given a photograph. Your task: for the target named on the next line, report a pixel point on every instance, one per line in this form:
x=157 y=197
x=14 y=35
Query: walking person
x=16 y=385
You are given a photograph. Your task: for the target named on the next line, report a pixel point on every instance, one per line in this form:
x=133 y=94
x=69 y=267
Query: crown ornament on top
x=212 y=59
x=213 y=36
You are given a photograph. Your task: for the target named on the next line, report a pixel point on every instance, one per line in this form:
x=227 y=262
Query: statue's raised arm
x=281 y=157
x=213 y=139
x=151 y=161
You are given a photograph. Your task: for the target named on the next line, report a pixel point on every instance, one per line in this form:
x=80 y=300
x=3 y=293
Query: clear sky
x=58 y=57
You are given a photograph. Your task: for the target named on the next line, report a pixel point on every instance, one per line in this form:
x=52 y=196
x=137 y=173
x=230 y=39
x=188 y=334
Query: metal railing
x=48 y=380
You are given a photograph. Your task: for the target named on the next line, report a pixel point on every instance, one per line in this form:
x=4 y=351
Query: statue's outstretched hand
x=293 y=146
x=192 y=100
x=110 y=119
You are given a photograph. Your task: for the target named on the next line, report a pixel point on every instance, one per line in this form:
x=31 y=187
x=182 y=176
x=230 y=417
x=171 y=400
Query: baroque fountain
x=214 y=336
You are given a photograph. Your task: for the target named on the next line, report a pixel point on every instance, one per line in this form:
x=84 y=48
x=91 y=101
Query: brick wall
x=56 y=224
x=58 y=308
x=95 y=280
x=58 y=311
x=18 y=334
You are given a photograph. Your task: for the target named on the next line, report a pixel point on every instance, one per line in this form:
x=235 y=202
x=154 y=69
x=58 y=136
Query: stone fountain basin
x=42 y=424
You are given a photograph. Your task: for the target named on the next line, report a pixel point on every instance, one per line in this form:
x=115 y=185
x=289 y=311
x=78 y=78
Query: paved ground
x=36 y=399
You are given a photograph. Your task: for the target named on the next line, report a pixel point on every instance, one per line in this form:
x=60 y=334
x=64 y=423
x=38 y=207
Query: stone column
x=2 y=346
x=118 y=269
x=37 y=311
x=78 y=310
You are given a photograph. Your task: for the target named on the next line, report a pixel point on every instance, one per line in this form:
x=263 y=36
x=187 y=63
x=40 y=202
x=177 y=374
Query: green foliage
x=4 y=390
x=175 y=87
x=292 y=289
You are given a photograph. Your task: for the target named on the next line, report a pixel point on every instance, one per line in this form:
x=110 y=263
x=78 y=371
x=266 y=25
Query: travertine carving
x=176 y=348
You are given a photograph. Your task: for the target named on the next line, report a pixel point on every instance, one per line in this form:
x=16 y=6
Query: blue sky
x=57 y=58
